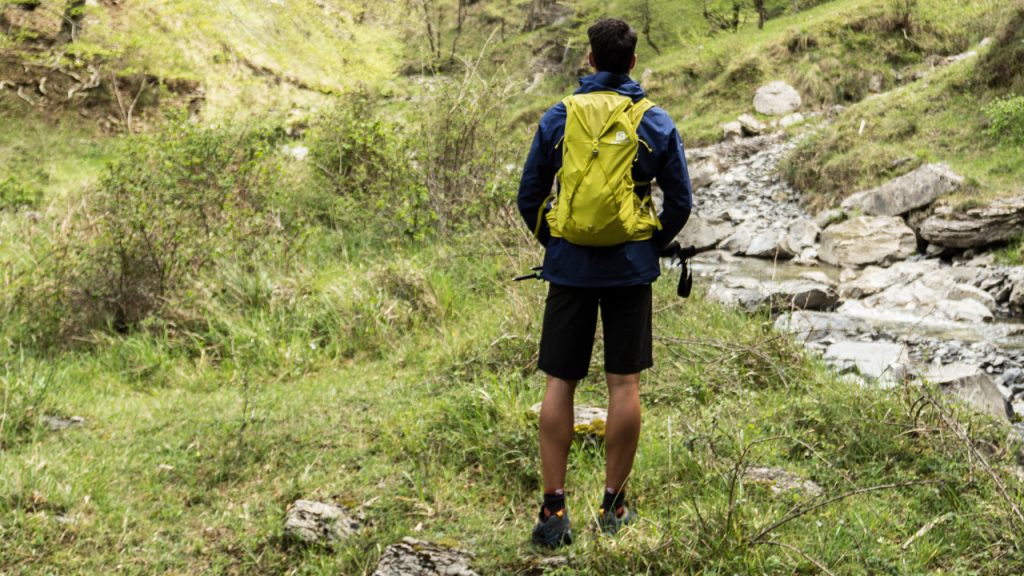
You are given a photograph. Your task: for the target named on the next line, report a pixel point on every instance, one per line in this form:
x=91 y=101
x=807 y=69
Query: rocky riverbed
x=859 y=284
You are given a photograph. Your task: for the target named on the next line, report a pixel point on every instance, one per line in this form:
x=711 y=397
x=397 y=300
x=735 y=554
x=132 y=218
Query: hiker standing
x=605 y=144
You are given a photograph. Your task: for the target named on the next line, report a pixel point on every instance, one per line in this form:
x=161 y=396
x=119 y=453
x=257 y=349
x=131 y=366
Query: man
x=614 y=279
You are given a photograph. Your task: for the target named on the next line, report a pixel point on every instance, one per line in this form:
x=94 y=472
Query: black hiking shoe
x=611 y=521
x=553 y=531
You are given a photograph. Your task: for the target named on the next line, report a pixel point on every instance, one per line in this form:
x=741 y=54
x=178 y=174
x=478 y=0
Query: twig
x=798 y=511
x=926 y=528
x=821 y=566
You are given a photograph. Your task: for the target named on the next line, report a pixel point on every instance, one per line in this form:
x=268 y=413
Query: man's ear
x=590 y=60
x=632 y=63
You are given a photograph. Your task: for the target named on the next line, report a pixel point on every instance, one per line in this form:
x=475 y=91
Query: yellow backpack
x=596 y=204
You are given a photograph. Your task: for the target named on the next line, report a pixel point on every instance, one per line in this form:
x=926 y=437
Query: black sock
x=553 y=503
x=613 y=500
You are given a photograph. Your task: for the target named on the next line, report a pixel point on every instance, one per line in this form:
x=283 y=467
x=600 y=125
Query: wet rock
x=1000 y=221
x=913 y=190
x=751 y=126
x=781 y=481
x=703 y=233
x=58 y=423
x=740 y=292
x=867 y=240
x=876 y=360
x=738 y=242
x=412 y=557
x=804 y=295
x=776 y=99
x=771 y=244
x=814 y=326
x=319 y=523
x=971 y=384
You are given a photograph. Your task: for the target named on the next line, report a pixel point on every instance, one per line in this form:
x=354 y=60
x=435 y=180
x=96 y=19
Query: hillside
x=258 y=316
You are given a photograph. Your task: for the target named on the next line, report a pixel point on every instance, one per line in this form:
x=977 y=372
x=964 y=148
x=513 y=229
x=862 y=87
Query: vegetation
x=256 y=305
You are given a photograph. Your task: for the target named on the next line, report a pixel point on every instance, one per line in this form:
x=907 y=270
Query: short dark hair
x=613 y=43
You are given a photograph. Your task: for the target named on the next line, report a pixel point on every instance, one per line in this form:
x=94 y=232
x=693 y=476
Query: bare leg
x=556 y=430
x=622 y=431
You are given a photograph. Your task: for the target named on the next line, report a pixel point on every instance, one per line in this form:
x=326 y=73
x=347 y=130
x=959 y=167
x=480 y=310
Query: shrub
x=366 y=164
x=170 y=205
x=16 y=193
x=1006 y=119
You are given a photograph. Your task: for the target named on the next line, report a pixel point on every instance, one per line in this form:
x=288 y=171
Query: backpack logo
x=620 y=137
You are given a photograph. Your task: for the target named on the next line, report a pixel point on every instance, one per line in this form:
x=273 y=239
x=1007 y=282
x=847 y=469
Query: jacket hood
x=611 y=82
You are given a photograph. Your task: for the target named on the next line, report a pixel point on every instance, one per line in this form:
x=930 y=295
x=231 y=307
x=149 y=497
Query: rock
x=738 y=242
x=913 y=190
x=936 y=296
x=827 y=218
x=874 y=279
x=812 y=326
x=965 y=311
x=702 y=233
x=1016 y=300
x=320 y=523
x=818 y=276
x=781 y=481
x=771 y=244
x=732 y=131
x=972 y=385
x=791 y=120
x=803 y=233
x=1000 y=221
x=962 y=291
x=739 y=292
x=867 y=240
x=875 y=360
x=776 y=99
x=804 y=295
x=751 y=126
x=586 y=419
x=58 y=423
x=412 y=557
x=704 y=166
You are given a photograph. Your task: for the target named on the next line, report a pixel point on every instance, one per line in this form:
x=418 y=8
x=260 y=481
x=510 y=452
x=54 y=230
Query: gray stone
x=738 y=242
x=412 y=557
x=867 y=240
x=776 y=99
x=1000 y=221
x=972 y=385
x=819 y=277
x=320 y=523
x=829 y=217
x=739 y=292
x=962 y=291
x=872 y=359
x=803 y=295
x=702 y=233
x=58 y=423
x=813 y=326
x=803 y=233
x=916 y=189
x=751 y=126
x=781 y=481
x=771 y=244
x=791 y=120
x=1016 y=298
x=704 y=167
x=591 y=417
x=874 y=279
x=732 y=131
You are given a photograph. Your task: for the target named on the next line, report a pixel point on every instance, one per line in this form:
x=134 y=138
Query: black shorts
x=570 y=322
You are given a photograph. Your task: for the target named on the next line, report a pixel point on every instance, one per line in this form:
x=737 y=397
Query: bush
x=15 y=193
x=366 y=164
x=169 y=206
x=1006 y=119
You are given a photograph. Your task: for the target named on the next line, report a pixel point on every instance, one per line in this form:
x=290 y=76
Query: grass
x=190 y=454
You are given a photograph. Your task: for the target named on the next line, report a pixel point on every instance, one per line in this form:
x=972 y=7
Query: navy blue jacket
x=627 y=264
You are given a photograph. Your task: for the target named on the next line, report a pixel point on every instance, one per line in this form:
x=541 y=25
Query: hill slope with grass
x=263 y=253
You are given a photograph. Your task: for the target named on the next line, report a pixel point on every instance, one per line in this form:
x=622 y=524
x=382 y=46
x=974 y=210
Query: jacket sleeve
x=674 y=180
x=539 y=175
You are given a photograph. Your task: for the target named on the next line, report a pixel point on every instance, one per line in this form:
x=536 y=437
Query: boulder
x=412 y=557
x=777 y=99
x=1000 y=221
x=803 y=233
x=751 y=126
x=791 y=120
x=1016 y=300
x=320 y=523
x=704 y=166
x=874 y=279
x=803 y=295
x=877 y=360
x=740 y=292
x=732 y=131
x=819 y=277
x=811 y=326
x=867 y=240
x=59 y=423
x=971 y=384
x=771 y=244
x=961 y=291
x=939 y=295
x=703 y=233
x=738 y=242
x=826 y=218
x=913 y=190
